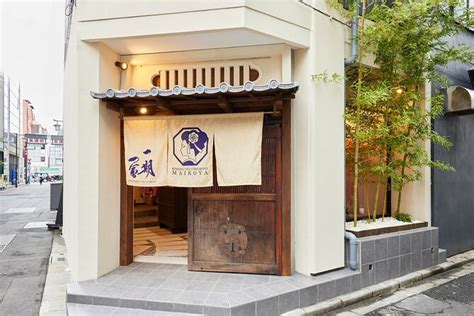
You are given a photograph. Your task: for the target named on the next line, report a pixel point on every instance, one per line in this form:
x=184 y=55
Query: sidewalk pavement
x=59 y=275
x=25 y=246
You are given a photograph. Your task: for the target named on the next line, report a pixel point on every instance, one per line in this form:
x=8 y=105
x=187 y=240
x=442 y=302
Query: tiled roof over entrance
x=223 y=87
x=223 y=98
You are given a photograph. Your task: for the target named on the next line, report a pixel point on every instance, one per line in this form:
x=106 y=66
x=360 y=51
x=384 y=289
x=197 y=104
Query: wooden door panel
x=238 y=229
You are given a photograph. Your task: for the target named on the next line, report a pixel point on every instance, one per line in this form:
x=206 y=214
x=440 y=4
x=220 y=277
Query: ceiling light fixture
x=143 y=110
x=122 y=65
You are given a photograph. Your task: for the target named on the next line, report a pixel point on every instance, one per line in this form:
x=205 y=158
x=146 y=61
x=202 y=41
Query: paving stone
x=288 y=302
x=326 y=291
x=393 y=246
x=217 y=299
x=381 y=248
x=405 y=244
x=343 y=285
x=426 y=239
x=202 y=286
x=405 y=264
x=416 y=242
x=367 y=251
x=237 y=298
x=423 y=304
x=394 y=267
x=192 y=297
x=253 y=280
x=308 y=296
x=267 y=307
x=435 y=238
x=426 y=258
x=356 y=282
x=415 y=261
x=244 y=310
x=164 y=295
x=260 y=292
x=367 y=275
x=381 y=271
x=281 y=287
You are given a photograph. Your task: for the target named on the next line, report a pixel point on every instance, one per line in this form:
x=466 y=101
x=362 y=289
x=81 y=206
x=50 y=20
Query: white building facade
x=283 y=40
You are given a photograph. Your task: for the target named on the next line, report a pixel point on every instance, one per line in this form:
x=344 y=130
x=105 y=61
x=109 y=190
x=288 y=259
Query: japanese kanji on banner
x=179 y=150
x=146 y=143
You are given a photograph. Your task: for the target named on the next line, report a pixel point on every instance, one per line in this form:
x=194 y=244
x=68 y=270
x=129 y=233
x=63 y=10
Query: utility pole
x=6 y=167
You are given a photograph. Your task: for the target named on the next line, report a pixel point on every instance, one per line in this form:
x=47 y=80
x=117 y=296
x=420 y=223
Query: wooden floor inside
x=151 y=243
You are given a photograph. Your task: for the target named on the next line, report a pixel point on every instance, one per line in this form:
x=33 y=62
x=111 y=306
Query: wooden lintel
x=277 y=105
x=113 y=106
x=165 y=105
x=224 y=105
x=194 y=101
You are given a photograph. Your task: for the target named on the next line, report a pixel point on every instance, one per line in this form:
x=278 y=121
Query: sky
x=31 y=53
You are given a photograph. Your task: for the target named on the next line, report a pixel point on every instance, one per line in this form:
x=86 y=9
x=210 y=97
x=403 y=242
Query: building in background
x=11 y=121
x=44 y=156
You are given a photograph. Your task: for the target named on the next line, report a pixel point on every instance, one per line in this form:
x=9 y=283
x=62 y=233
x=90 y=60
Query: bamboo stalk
x=377 y=192
x=367 y=204
x=356 y=129
x=384 y=208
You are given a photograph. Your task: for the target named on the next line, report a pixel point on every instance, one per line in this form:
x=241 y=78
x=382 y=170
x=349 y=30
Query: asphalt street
x=24 y=261
x=455 y=297
x=448 y=293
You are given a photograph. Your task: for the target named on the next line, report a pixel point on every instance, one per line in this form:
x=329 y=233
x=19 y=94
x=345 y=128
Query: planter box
x=387 y=256
x=387 y=230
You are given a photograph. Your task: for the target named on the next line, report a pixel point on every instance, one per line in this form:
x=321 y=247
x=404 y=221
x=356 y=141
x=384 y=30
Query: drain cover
x=5 y=240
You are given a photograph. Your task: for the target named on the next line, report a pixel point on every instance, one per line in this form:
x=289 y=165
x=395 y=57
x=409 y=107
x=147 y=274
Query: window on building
x=43 y=159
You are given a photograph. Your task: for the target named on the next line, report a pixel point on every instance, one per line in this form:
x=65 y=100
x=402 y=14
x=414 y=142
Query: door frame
x=284 y=251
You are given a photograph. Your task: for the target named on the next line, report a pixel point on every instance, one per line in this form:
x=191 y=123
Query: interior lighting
x=399 y=90
x=122 y=65
x=143 y=110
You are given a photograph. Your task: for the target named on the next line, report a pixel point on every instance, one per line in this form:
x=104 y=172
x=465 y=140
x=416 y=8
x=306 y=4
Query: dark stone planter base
x=387 y=230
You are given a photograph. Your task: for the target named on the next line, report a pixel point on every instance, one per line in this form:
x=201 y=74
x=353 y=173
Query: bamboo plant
x=388 y=121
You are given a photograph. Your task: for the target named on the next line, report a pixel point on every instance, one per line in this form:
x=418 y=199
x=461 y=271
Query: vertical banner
x=190 y=152
x=145 y=152
x=238 y=145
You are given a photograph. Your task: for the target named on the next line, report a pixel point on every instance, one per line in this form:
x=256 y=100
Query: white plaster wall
x=318 y=151
x=91 y=191
x=141 y=75
x=111 y=9
x=109 y=168
x=70 y=170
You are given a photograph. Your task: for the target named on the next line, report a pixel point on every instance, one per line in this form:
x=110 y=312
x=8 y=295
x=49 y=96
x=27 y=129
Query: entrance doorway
x=160 y=225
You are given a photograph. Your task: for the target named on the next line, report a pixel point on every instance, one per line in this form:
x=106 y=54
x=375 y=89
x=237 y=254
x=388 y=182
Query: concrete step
x=85 y=309
x=145 y=210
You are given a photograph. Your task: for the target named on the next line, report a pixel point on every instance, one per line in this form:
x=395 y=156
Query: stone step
x=145 y=210
x=145 y=221
x=85 y=309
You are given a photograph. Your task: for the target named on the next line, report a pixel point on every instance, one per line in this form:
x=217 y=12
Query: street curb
x=386 y=287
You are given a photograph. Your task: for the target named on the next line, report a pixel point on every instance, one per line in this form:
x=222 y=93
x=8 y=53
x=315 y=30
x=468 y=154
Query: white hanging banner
x=190 y=151
x=145 y=152
x=178 y=150
x=238 y=146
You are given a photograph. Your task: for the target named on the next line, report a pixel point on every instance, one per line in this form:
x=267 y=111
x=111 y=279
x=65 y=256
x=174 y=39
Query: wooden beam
x=224 y=105
x=126 y=208
x=164 y=104
x=286 y=188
